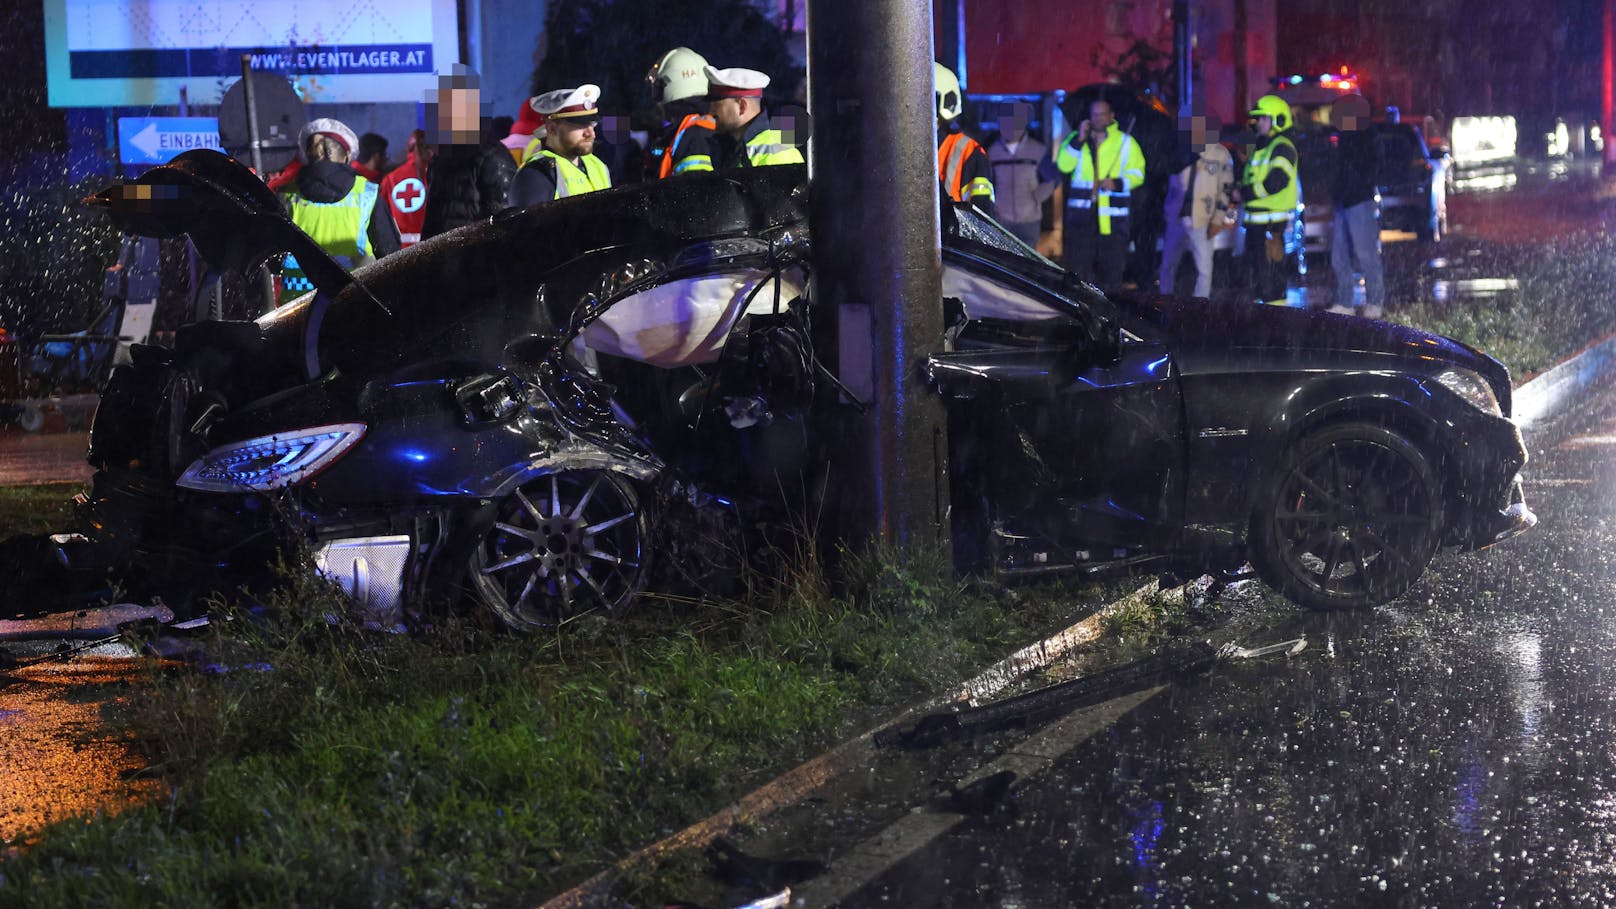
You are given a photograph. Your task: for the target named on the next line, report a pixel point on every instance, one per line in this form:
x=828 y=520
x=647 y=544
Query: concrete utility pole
x=878 y=263
x=1183 y=62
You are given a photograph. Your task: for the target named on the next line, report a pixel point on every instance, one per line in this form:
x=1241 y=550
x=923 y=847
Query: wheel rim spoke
x=1336 y=475
x=555 y=496
x=565 y=584
x=1385 y=548
x=1332 y=561
x=511 y=562
x=512 y=529
x=594 y=585
x=578 y=510
x=1309 y=544
x=609 y=523
x=531 y=508
x=1327 y=498
x=527 y=590
x=1358 y=559
x=608 y=557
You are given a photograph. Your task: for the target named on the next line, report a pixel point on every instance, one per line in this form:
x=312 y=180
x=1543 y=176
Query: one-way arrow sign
x=155 y=140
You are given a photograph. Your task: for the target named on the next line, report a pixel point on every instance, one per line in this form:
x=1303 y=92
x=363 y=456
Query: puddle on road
x=57 y=761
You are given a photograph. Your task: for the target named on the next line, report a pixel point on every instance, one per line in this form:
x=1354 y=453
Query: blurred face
x=732 y=114
x=1200 y=130
x=1351 y=113
x=458 y=115
x=1265 y=125
x=1013 y=121
x=571 y=137
x=1101 y=117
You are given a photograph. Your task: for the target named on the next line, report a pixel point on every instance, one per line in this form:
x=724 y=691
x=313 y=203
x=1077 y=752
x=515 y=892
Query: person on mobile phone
x=1103 y=166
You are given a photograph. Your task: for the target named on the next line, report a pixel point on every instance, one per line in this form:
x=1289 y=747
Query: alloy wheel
x=1352 y=518
x=560 y=546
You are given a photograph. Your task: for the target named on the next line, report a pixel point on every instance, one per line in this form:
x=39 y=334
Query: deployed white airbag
x=988 y=299
x=682 y=323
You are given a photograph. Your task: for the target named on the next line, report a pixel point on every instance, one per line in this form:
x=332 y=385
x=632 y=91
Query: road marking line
x=913 y=832
x=859 y=751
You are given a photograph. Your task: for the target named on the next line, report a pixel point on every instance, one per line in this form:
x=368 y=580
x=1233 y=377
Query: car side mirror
x=530 y=350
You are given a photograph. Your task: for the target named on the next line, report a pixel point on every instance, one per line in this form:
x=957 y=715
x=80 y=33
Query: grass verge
x=461 y=767
x=39 y=508
x=1565 y=297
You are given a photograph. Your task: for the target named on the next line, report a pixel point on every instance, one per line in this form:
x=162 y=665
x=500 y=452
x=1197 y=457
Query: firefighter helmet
x=950 y=104
x=1274 y=108
x=679 y=74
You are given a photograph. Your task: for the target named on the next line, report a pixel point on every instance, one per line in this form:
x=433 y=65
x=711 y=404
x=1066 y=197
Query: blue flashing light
x=1296 y=80
x=416 y=455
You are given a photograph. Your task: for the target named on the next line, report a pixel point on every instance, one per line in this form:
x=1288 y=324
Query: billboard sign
x=112 y=53
x=156 y=140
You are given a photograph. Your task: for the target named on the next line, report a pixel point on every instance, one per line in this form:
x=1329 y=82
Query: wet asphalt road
x=1456 y=748
x=42 y=457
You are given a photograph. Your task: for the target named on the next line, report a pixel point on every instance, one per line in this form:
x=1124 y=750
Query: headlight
x=1472 y=388
x=271 y=462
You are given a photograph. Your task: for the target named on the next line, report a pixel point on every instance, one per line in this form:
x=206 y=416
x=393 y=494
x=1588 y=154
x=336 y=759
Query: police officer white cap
x=566 y=103
x=735 y=83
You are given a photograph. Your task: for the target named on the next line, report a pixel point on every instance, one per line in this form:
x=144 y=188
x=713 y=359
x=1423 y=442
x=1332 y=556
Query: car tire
x=1348 y=519
x=560 y=546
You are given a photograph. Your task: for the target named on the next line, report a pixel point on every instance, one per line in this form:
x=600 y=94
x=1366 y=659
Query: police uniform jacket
x=760 y=145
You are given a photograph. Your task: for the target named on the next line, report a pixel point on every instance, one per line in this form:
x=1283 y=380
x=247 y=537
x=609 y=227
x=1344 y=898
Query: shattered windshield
x=978 y=227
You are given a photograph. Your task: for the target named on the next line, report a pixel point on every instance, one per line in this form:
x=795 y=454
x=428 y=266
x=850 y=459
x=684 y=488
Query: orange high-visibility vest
x=701 y=121
x=951 y=158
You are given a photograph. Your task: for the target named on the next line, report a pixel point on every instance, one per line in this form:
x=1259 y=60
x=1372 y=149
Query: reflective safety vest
x=769 y=147
x=1265 y=207
x=691 y=162
x=572 y=180
x=341 y=228
x=1120 y=159
x=951 y=158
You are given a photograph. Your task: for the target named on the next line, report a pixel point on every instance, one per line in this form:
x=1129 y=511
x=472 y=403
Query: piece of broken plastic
x=1290 y=648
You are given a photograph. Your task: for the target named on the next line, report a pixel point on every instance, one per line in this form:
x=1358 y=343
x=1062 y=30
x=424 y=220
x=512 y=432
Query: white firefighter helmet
x=950 y=103
x=679 y=74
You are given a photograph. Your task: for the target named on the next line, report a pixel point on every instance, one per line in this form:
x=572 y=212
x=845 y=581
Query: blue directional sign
x=155 y=140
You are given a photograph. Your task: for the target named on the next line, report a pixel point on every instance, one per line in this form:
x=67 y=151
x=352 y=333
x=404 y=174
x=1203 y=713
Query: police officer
x=561 y=163
x=336 y=207
x=1104 y=166
x=1271 y=193
x=743 y=136
x=962 y=164
x=679 y=87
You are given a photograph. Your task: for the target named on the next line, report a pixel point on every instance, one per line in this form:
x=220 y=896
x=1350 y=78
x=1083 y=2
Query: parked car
x=1413 y=182
x=554 y=410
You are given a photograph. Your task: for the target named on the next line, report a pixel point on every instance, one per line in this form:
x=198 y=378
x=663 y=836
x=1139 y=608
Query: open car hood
x=235 y=221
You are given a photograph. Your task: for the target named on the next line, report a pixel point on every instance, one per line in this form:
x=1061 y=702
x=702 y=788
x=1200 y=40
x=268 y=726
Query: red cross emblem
x=409 y=195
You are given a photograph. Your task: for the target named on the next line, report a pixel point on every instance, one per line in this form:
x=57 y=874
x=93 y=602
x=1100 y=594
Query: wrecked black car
x=557 y=410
